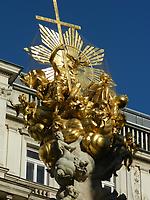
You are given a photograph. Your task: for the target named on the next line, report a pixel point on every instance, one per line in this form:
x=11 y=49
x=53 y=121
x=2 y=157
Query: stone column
x=8 y=74
x=14 y=151
x=5 y=92
x=85 y=190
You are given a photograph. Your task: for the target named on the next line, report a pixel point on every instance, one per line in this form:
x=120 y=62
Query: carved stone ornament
x=137 y=183
x=5 y=92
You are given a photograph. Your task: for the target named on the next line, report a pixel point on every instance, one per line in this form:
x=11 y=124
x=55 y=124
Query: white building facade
x=24 y=176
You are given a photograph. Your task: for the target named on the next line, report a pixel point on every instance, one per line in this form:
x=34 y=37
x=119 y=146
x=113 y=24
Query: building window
x=109 y=184
x=35 y=169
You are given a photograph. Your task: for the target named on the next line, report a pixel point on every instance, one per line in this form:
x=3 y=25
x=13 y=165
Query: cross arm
x=58 y=22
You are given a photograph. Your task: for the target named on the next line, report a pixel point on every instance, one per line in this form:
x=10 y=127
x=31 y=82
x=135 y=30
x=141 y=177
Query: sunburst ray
x=87 y=58
x=49 y=37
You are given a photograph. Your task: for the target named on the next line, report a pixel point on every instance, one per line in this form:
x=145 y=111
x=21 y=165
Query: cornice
x=10 y=70
x=142 y=156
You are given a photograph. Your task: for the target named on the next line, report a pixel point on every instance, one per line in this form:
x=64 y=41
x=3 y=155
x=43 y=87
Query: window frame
x=36 y=163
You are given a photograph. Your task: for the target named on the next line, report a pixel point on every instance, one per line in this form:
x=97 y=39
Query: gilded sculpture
x=80 y=116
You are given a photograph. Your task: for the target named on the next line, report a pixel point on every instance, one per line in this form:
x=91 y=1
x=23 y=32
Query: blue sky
x=122 y=28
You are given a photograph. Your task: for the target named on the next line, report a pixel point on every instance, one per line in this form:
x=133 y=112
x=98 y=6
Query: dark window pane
x=126 y=129
x=33 y=154
x=30 y=171
x=144 y=140
x=139 y=136
x=40 y=174
x=107 y=188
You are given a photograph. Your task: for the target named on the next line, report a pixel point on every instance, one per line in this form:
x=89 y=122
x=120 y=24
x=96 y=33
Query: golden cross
x=59 y=24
